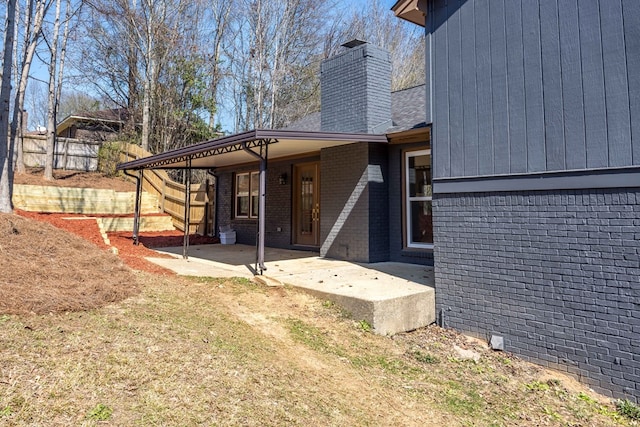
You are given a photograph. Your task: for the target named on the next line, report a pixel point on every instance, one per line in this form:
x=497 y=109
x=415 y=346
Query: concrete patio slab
x=392 y=297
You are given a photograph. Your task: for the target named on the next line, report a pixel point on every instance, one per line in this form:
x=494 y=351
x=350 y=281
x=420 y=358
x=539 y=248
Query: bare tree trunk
x=63 y=54
x=222 y=19
x=6 y=151
x=31 y=41
x=51 y=114
x=149 y=75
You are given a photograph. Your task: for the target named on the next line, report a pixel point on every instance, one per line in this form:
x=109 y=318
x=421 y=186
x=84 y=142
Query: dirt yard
x=33 y=176
x=86 y=340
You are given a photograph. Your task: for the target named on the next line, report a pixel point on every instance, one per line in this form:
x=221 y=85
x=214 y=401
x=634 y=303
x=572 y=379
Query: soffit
x=229 y=151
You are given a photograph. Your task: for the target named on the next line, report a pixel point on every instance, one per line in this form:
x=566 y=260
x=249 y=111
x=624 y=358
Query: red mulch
x=87 y=228
x=81 y=225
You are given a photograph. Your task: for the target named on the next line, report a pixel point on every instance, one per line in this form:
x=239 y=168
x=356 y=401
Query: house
x=79 y=138
x=534 y=110
x=352 y=181
x=102 y=125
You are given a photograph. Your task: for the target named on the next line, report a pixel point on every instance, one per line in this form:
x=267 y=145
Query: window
x=418 y=218
x=246 y=194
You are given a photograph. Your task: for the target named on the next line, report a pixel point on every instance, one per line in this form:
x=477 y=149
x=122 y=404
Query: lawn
x=167 y=350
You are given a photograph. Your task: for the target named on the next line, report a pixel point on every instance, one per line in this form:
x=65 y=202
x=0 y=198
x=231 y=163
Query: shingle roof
x=408 y=111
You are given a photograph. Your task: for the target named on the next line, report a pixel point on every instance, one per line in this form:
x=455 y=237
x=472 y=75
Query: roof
x=111 y=116
x=408 y=108
x=411 y=10
x=241 y=148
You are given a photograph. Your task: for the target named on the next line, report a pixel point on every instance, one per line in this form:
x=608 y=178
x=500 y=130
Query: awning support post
x=136 y=206
x=187 y=210
x=261 y=203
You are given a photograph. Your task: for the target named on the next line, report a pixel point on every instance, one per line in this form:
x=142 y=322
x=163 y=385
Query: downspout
x=213 y=173
x=136 y=208
x=187 y=211
x=261 y=205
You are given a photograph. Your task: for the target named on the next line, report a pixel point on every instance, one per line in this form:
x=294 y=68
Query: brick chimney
x=356 y=90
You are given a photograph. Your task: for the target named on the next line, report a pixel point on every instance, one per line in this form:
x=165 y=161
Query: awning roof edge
x=228 y=142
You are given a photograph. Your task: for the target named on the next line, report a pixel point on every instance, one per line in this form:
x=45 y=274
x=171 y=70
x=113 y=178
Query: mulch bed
x=134 y=256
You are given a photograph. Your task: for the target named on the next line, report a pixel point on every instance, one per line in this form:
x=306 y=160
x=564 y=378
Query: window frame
x=250 y=175
x=407 y=199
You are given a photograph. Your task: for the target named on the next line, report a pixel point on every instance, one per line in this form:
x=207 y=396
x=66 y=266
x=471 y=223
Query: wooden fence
x=73 y=154
x=172 y=195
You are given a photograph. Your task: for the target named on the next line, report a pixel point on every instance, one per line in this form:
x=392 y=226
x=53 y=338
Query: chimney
x=356 y=90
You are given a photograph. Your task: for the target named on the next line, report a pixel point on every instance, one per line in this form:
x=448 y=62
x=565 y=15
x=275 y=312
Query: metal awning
x=229 y=150
x=242 y=148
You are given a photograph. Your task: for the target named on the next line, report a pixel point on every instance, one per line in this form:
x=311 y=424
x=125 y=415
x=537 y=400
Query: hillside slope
x=45 y=269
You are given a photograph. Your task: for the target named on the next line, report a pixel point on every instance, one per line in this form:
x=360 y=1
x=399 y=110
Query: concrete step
x=147 y=223
x=391 y=297
x=37 y=198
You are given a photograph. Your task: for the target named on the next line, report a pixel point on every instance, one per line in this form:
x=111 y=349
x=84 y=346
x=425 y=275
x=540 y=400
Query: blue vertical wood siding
x=470 y=103
x=483 y=88
x=441 y=161
x=631 y=14
x=524 y=86
x=456 y=119
x=572 y=98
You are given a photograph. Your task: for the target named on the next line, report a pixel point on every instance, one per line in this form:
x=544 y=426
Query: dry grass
x=45 y=269
x=228 y=352
x=186 y=351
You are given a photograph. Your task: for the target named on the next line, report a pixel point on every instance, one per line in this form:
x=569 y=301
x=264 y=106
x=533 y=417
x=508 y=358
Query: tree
x=73 y=102
x=6 y=149
x=36 y=104
x=34 y=13
x=56 y=63
x=141 y=55
x=405 y=42
x=275 y=44
x=51 y=110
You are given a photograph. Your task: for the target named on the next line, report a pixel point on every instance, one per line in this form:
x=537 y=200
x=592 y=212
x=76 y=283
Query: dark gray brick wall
x=356 y=90
x=379 y=206
x=278 y=208
x=557 y=273
x=340 y=170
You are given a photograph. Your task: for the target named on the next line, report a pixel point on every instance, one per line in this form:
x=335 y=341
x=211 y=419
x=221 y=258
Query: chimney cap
x=353 y=43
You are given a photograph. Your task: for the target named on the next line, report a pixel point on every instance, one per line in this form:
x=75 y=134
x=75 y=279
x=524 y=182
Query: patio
x=391 y=297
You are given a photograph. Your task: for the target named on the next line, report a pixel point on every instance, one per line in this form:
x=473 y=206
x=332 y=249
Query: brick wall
x=278 y=208
x=341 y=169
x=379 y=205
x=557 y=274
x=356 y=91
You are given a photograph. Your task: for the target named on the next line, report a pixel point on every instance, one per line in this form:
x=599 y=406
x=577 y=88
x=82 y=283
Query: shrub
x=108 y=158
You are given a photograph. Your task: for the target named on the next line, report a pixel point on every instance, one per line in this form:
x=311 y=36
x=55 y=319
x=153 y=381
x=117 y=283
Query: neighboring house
x=103 y=125
x=535 y=115
x=352 y=181
x=79 y=138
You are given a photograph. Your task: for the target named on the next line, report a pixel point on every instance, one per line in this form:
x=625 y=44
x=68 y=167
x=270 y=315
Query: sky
x=39 y=69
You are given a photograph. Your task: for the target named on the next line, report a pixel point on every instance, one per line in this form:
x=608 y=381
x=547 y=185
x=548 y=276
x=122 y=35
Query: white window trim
x=408 y=200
